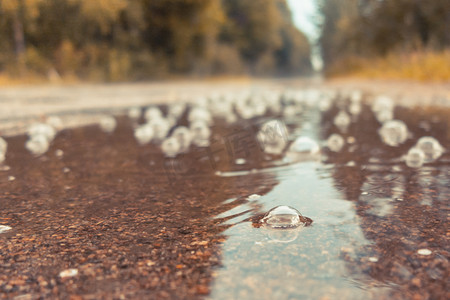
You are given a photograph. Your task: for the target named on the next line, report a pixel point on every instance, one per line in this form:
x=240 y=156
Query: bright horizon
x=302 y=13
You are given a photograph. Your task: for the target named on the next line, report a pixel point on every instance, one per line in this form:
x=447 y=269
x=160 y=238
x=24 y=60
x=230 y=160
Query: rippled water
x=373 y=216
x=370 y=213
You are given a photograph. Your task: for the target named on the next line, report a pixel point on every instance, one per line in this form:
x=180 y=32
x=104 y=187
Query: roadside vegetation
x=125 y=40
x=401 y=39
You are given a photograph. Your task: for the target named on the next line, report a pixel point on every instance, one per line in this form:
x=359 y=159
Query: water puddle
x=118 y=204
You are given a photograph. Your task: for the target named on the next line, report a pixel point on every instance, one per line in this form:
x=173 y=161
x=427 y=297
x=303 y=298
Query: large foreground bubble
x=282 y=217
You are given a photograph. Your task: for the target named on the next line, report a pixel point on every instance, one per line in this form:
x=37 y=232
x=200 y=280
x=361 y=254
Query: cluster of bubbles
x=392 y=132
x=163 y=129
x=172 y=138
x=395 y=132
x=3 y=148
x=166 y=130
x=40 y=135
x=426 y=150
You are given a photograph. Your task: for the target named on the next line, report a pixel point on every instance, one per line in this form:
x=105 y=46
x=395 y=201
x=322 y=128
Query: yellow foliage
x=102 y=12
x=421 y=65
x=30 y=7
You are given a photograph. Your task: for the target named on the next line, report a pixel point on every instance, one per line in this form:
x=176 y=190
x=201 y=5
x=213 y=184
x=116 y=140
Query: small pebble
x=373 y=259
x=424 y=251
x=11 y=178
x=59 y=153
x=68 y=273
x=240 y=161
x=4 y=168
x=350 y=164
x=253 y=197
x=4 y=228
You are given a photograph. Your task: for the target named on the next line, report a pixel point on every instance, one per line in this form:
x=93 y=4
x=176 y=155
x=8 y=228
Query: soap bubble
x=342 y=121
x=144 y=134
x=383 y=108
x=152 y=113
x=415 y=158
x=384 y=115
x=324 y=104
x=160 y=127
x=335 y=142
x=393 y=133
x=176 y=110
x=183 y=136
x=282 y=217
x=305 y=145
x=356 y=96
x=382 y=103
x=170 y=147
x=273 y=136
x=42 y=129
x=291 y=111
x=108 y=124
x=3 y=146
x=430 y=147
x=134 y=113
x=244 y=110
x=355 y=108
x=199 y=114
x=200 y=133
x=55 y=122
x=37 y=144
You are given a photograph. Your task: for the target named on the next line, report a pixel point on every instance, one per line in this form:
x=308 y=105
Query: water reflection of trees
x=401 y=209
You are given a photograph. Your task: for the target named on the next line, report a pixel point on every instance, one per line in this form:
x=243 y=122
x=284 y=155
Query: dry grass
x=422 y=66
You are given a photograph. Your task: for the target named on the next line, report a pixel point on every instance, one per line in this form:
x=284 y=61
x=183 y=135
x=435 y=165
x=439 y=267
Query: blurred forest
x=403 y=38
x=115 y=40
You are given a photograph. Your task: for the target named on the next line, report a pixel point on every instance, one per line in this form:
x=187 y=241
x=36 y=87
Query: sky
x=302 y=14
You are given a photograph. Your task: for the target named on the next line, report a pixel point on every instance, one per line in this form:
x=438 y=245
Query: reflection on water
x=379 y=227
x=375 y=219
x=259 y=263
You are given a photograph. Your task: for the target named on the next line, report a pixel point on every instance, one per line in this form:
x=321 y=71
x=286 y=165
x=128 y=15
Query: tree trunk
x=19 y=39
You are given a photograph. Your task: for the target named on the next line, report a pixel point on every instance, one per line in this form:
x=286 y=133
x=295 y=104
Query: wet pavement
x=100 y=216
